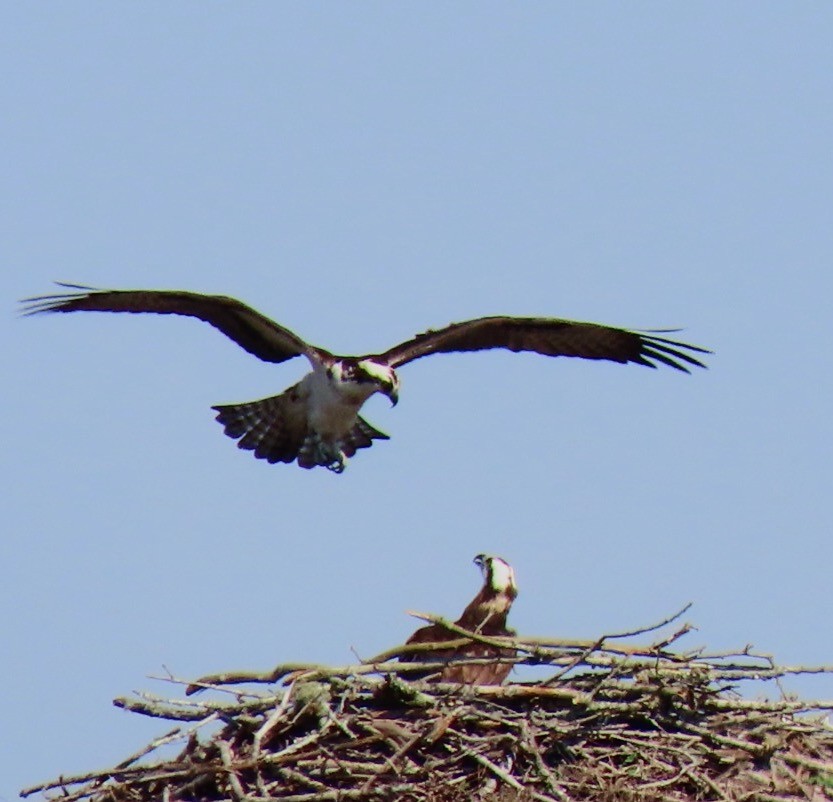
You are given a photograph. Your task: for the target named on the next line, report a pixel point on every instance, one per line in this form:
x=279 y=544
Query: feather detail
x=277 y=430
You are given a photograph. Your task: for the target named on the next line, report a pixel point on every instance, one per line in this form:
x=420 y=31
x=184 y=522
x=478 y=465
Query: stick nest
x=608 y=721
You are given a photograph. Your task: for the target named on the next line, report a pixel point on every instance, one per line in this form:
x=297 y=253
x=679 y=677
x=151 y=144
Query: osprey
x=486 y=615
x=317 y=422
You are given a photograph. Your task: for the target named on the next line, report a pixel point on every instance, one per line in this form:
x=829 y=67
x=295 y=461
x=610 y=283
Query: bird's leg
x=336 y=466
x=329 y=455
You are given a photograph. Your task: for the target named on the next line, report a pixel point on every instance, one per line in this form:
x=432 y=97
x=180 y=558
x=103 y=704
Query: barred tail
x=276 y=429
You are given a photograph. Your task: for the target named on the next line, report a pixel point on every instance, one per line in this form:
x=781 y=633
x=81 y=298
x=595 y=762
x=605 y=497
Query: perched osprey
x=486 y=615
x=317 y=420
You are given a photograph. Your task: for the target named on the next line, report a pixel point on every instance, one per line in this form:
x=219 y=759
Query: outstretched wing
x=550 y=337
x=249 y=329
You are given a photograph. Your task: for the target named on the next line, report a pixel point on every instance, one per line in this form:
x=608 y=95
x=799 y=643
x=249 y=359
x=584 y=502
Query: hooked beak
x=392 y=393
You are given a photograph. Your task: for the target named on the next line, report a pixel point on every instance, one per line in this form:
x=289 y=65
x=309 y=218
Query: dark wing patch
x=249 y=329
x=433 y=633
x=491 y=673
x=550 y=337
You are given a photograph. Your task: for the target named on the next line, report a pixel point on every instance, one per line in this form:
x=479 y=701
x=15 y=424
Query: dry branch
x=614 y=721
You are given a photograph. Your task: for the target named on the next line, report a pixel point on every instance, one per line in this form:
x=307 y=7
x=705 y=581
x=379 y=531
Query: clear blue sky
x=361 y=172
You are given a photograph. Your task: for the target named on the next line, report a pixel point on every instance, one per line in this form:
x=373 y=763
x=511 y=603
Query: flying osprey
x=486 y=615
x=317 y=420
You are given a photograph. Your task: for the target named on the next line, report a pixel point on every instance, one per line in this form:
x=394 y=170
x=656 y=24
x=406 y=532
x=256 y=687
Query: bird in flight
x=316 y=421
x=485 y=615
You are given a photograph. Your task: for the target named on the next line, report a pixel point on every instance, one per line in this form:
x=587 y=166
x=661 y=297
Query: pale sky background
x=361 y=172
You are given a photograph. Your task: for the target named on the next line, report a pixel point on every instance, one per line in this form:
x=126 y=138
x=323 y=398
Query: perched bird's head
x=497 y=574
x=366 y=377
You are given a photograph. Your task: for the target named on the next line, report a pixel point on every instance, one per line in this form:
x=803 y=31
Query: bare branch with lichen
x=613 y=721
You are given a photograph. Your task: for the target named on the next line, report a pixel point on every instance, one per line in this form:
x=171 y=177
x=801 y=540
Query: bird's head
x=497 y=574
x=383 y=376
x=363 y=377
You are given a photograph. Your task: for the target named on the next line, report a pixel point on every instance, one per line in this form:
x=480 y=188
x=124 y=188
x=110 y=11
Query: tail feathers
x=331 y=455
x=361 y=435
x=276 y=429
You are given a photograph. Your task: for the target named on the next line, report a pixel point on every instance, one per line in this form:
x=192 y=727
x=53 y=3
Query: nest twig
x=611 y=721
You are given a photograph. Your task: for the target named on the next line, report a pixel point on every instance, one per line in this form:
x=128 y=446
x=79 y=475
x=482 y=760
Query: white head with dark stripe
x=365 y=377
x=498 y=575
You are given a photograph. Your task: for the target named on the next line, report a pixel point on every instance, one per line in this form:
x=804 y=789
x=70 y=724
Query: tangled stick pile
x=611 y=721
